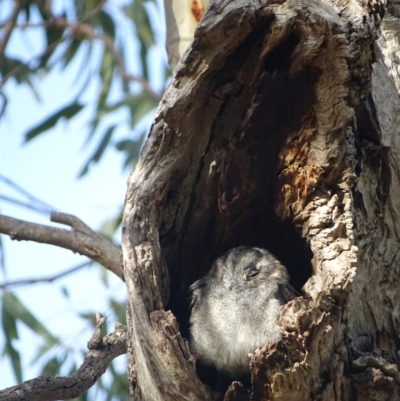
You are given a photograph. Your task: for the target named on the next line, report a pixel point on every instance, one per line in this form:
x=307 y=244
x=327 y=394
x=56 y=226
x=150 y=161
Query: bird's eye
x=252 y=273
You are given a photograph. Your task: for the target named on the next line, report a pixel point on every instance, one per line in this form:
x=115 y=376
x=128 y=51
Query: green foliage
x=70 y=37
x=2 y=264
x=99 y=150
x=99 y=37
x=66 y=112
x=14 y=311
x=19 y=70
x=53 y=356
x=138 y=14
x=10 y=330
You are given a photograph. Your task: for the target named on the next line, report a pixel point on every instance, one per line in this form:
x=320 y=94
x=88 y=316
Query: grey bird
x=235 y=308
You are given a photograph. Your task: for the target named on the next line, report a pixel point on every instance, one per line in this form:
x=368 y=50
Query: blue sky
x=48 y=167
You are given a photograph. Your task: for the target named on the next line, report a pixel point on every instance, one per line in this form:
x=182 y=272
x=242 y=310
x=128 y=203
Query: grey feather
x=235 y=308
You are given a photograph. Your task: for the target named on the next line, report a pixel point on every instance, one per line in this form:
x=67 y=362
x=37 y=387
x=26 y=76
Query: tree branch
x=81 y=239
x=72 y=221
x=48 y=279
x=101 y=353
x=9 y=27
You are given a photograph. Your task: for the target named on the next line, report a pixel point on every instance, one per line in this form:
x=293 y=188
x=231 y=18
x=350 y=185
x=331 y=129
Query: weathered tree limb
x=268 y=127
x=82 y=239
x=102 y=351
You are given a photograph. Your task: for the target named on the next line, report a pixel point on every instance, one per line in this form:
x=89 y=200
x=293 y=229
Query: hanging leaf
x=118 y=385
x=110 y=226
x=26 y=9
x=99 y=151
x=65 y=291
x=138 y=13
x=88 y=316
x=71 y=51
x=10 y=330
x=119 y=310
x=19 y=70
x=15 y=308
x=2 y=259
x=131 y=148
x=54 y=33
x=106 y=75
x=15 y=359
x=46 y=347
x=66 y=112
x=52 y=367
x=105 y=21
x=140 y=105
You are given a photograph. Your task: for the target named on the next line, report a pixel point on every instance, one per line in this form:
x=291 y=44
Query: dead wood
x=102 y=351
x=274 y=132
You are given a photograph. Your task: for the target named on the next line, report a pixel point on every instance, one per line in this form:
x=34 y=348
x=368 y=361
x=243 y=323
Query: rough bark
x=278 y=130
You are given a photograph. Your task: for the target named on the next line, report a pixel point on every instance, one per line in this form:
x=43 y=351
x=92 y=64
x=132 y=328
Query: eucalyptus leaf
x=98 y=153
x=106 y=22
x=14 y=307
x=138 y=13
x=106 y=75
x=118 y=385
x=15 y=359
x=131 y=148
x=119 y=310
x=2 y=259
x=92 y=58
x=66 y=112
x=52 y=367
x=9 y=319
x=110 y=226
x=88 y=316
x=71 y=51
x=140 y=105
x=10 y=330
x=46 y=347
x=17 y=68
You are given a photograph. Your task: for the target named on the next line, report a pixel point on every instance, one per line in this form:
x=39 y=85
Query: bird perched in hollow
x=235 y=308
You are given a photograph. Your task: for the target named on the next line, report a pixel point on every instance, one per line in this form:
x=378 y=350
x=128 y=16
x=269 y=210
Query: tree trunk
x=278 y=130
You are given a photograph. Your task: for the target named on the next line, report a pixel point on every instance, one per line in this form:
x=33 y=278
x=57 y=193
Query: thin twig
x=89 y=243
x=48 y=279
x=71 y=221
x=100 y=355
x=9 y=27
x=36 y=208
x=24 y=192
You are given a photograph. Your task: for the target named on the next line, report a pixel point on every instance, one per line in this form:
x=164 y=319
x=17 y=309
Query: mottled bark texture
x=280 y=130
